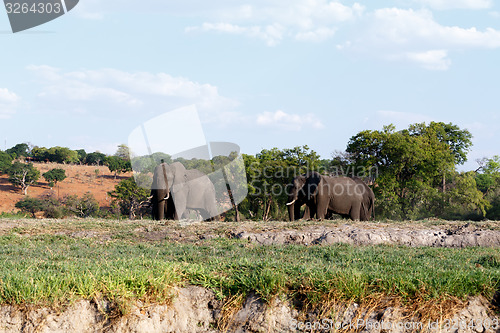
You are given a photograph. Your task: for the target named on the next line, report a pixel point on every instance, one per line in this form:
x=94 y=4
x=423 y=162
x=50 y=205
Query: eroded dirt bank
x=196 y=309
x=438 y=236
x=434 y=233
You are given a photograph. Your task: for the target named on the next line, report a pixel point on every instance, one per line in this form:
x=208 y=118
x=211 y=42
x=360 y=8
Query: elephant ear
x=312 y=184
x=177 y=173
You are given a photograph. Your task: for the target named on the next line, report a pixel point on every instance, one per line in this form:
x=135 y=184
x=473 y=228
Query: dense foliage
x=414 y=171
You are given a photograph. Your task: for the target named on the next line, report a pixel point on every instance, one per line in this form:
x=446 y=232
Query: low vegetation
x=56 y=261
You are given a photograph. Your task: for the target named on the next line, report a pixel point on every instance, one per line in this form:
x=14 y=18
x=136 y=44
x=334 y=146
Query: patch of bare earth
x=81 y=179
x=415 y=234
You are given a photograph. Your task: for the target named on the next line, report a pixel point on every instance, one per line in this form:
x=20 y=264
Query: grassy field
x=52 y=262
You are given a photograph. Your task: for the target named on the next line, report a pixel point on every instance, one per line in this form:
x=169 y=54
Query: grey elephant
x=176 y=189
x=368 y=206
x=324 y=195
x=297 y=198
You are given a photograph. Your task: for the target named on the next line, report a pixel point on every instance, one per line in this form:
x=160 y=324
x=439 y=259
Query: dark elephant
x=176 y=189
x=324 y=195
x=297 y=198
x=368 y=206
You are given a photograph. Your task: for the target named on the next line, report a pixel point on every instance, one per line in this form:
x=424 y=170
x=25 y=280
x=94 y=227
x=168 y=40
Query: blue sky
x=261 y=74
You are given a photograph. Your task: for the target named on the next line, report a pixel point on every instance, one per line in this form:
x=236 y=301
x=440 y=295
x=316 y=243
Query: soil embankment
x=195 y=309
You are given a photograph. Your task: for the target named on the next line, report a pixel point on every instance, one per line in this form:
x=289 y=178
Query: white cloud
x=8 y=103
x=433 y=59
x=283 y=120
x=317 y=35
x=271 y=34
x=120 y=90
x=410 y=27
x=457 y=4
x=414 y=35
x=305 y=20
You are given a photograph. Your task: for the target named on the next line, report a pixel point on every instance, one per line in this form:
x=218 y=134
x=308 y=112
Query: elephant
x=368 y=206
x=324 y=195
x=297 y=198
x=176 y=189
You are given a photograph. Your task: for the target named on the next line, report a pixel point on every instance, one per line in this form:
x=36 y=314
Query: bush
x=85 y=206
x=30 y=205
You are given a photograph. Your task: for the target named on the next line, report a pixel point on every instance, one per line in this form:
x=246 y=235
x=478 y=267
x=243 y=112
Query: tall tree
x=123 y=152
x=19 y=150
x=409 y=162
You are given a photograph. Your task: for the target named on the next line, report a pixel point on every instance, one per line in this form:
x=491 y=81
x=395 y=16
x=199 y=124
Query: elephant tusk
x=290 y=203
x=167 y=196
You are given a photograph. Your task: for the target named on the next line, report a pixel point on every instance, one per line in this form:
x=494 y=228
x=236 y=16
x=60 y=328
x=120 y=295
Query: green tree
x=95 y=158
x=117 y=164
x=488 y=182
x=62 y=155
x=23 y=175
x=129 y=197
x=19 y=150
x=82 y=155
x=5 y=161
x=409 y=163
x=30 y=205
x=270 y=173
x=40 y=154
x=54 y=176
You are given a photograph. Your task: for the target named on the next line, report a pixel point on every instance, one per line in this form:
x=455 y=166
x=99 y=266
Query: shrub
x=85 y=206
x=30 y=205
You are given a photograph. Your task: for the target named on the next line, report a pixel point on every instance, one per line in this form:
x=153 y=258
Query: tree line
x=413 y=173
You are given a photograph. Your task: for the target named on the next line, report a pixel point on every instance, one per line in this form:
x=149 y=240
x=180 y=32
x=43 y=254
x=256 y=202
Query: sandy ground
x=80 y=179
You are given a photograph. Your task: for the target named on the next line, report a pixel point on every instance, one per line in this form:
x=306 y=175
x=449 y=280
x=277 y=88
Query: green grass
x=43 y=268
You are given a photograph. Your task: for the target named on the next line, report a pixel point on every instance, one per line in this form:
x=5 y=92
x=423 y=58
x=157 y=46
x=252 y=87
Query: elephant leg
x=307 y=213
x=296 y=211
x=355 y=211
x=180 y=208
x=322 y=207
x=170 y=209
x=160 y=211
x=313 y=211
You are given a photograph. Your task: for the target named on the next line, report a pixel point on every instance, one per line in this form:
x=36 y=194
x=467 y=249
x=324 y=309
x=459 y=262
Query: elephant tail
x=372 y=209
